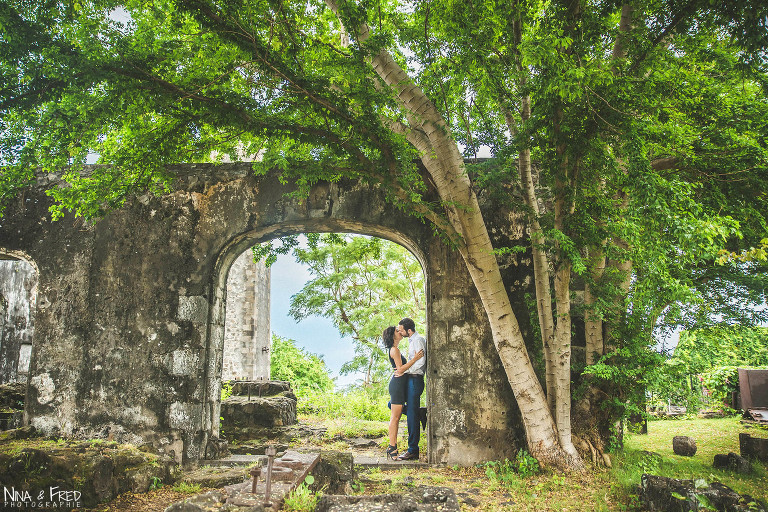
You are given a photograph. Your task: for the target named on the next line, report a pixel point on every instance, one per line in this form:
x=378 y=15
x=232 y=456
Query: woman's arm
x=394 y=353
x=403 y=367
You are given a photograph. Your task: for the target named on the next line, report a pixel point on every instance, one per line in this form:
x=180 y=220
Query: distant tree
x=305 y=371
x=362 y=285
x=710 y=358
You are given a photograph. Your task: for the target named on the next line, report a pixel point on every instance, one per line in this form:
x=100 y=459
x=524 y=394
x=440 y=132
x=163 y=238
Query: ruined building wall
x=131 y=309
x=18 y=287
x=247 y=336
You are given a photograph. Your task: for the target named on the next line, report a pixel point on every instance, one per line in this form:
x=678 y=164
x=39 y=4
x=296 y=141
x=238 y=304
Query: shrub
x=306 y=372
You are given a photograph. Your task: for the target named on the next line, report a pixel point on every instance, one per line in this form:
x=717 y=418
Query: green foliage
x=156 y=484
x=301 y=499
x=649 y=137
x=526 y=465
x=357 y=402
x=226 y=390
x=186 y=488
x=703 y=349
x=362 y=284
x=703 y=369
x=306 y=372
x=508 y=473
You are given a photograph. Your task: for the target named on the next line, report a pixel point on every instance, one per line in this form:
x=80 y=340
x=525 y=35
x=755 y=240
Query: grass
x=712 y=436
x=509 y=488
x=187 y=488
x=598 y=489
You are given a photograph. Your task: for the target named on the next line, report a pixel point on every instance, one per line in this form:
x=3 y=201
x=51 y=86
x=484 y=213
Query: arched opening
x=18 y=297
x=230 y=265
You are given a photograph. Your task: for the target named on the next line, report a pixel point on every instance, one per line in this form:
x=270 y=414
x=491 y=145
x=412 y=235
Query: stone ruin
x=659 y=493
x=255 y=405
x=130 y=310
x=18 y=290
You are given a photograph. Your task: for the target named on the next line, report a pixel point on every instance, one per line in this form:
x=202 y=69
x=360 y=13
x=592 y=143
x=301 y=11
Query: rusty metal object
x=758 y=415
x=255 y=472
x=270 y=452
x=753 y=386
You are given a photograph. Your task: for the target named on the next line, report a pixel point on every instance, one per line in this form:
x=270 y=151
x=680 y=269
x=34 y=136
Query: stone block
x=240 y=412
x=193 y=309
x=185 y=416
x=184 y=362
x=419 y=499
x=12 y=395
x=216 y=477
x=658 y=493
x=259 y=387
x=209 y=502
x=732 y=462
x=753 y=447
x=334 y=473
x=684 y=445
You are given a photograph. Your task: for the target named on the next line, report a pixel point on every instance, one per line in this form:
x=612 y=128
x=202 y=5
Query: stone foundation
x=257 y=405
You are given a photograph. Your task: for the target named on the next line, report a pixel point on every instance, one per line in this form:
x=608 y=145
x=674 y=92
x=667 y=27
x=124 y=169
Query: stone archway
x=130 y=309
x=231 y=253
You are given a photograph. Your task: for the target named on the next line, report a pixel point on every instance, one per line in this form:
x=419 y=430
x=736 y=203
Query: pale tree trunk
x=561 y=350
x=429 y=133
x=593 y=321
x=541 y=268
x=624 y=270
x=598 y=333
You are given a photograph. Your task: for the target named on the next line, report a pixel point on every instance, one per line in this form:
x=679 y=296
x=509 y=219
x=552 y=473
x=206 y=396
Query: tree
x=306 y=372
x=362 y=284
x=591 y=91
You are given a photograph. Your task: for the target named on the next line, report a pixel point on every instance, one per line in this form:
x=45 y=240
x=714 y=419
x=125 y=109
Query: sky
x=315 y=334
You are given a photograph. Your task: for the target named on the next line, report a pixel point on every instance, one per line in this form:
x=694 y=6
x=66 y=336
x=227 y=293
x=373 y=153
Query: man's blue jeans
x=415 y=389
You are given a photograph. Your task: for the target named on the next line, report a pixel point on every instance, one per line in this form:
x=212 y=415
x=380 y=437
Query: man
x=415 y=374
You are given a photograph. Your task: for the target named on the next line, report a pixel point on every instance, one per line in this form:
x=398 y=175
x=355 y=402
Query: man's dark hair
x=408 y=324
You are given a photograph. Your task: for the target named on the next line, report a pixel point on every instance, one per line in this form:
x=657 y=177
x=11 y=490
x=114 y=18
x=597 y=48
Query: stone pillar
x=247 y=336
x=18 y=290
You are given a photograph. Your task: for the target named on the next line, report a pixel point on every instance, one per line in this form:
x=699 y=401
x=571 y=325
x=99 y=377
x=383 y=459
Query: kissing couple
x=406 y=386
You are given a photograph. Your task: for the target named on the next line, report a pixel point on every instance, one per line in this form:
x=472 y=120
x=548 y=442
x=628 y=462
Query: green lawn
x=712 y=436
x=599 y=489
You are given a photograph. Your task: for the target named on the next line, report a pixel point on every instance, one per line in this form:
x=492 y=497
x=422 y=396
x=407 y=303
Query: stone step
x=234 y=460
x=385 y=463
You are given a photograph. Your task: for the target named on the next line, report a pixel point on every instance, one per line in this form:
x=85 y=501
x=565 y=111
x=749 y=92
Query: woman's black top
x=392 y=361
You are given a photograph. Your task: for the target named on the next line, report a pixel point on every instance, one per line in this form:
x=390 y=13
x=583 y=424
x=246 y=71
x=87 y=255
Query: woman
x=398 y=384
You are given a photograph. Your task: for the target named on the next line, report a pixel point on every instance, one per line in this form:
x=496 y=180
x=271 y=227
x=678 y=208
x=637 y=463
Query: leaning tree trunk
x=429 y=133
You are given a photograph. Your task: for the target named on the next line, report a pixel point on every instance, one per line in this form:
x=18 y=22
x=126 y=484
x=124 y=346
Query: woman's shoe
x=392 y=452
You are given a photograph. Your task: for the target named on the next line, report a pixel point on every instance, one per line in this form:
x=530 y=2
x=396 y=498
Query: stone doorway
x=320 y=335
x=238 y=259
x=18 y=297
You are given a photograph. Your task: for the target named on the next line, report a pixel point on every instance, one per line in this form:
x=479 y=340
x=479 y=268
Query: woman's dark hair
x=389 y=337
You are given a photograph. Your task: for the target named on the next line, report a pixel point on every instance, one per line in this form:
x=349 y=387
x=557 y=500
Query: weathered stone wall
x=18 y=288
x=247 y=333
x=129 y=323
